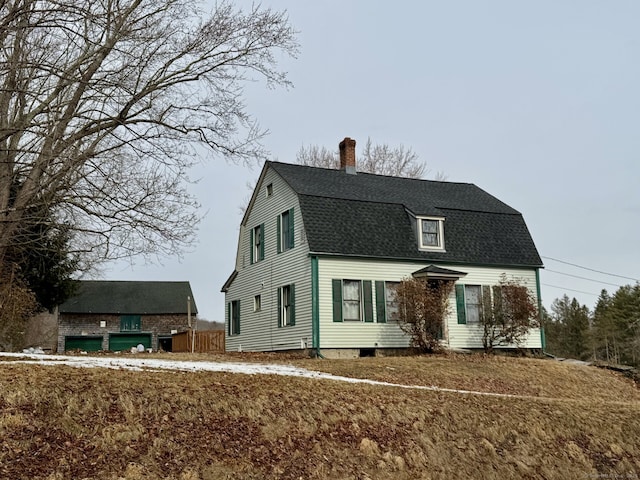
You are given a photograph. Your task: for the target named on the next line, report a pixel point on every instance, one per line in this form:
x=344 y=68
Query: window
x=391 y=301
x=130 y=323
x=473 y=303
x=285 y=231
x=386 y=304
x=352 y=301
x=269 y=190
x=257 y=243
x=257 y=303
x=469 y=303
x=233 y=318
x=286 y=306
x=430 y=232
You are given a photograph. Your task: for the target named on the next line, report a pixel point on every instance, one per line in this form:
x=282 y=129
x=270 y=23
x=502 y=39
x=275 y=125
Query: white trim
x=440 y=246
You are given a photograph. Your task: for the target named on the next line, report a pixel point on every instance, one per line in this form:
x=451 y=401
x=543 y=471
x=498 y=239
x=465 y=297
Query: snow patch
x=154 y=364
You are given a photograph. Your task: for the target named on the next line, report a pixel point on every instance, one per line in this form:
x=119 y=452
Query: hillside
x=528 y=418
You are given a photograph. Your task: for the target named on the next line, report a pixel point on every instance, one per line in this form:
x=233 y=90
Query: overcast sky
x=538 y=103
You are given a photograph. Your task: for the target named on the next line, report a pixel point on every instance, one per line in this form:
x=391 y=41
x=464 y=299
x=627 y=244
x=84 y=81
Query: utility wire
x=569 y=289
x=591 y=269
x=582 y=278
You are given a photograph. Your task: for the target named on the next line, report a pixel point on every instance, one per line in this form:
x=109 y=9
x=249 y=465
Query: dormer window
x=431 y=233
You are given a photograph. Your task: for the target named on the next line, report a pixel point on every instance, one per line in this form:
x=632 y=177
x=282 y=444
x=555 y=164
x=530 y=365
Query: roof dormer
x=430 y=233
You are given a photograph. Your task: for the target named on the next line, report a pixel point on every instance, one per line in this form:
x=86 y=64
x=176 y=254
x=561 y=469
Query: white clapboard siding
x=259 y=331
x=381 y=335
x=470 y=336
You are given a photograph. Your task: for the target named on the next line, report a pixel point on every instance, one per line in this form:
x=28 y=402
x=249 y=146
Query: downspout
x=315 y=308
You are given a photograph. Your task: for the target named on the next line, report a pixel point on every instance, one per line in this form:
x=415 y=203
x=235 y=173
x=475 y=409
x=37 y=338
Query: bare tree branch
x=379 y=159
x=100 y=102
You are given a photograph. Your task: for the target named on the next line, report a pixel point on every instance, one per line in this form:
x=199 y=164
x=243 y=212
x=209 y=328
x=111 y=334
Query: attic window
x=269 y=190
x=431 y=233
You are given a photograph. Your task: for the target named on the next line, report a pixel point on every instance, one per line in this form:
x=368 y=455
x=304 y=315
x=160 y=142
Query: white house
x=320 y=251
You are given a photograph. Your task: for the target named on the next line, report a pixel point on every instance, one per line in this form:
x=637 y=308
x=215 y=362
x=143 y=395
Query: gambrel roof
x=130 y=298
x=373 y=216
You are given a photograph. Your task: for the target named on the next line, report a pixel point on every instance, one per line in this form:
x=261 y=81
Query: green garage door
x=124 y=341
x=83 y=342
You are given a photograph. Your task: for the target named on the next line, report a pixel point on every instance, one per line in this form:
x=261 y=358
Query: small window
x=285 y=231
x=286 y=306
x=234 y=317
x=351 y=301
x=257 y=303
x=130 y=323
x=431 y=233
x=269 y=190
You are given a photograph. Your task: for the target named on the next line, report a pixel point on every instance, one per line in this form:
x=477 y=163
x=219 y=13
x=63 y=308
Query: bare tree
x=509 y=311
x=379 y=159
x=315 y=156
x=103 y=102
x=385 y=160
x=423 y=306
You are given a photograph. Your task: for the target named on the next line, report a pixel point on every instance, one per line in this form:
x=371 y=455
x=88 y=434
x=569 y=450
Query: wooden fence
x=207 y=341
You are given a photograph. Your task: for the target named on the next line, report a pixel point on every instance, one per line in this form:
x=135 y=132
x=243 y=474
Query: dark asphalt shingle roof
x=368 y=215
x=422 y=197
x=130 y=298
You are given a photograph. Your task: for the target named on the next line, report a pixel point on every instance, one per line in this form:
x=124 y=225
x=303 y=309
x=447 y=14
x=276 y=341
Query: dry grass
x=60 y=422
x=495 y=374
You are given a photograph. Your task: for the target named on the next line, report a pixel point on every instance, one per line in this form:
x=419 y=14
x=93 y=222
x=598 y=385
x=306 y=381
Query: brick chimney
x=348 y=155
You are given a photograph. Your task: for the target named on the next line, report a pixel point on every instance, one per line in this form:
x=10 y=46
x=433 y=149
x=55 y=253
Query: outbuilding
x=118 y=315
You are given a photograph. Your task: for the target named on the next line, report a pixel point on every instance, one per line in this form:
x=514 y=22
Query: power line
x=591 y=269
x=582 y=278
x=569 y=289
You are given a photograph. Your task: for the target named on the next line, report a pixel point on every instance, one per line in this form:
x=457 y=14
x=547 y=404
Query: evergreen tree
x=571 y=329
x=625 y=317
x=603 y=333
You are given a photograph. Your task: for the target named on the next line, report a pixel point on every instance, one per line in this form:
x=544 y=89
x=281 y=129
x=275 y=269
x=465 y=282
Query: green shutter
x=292 y=234
x=229 y=318
x=368 y=300
x=251 y=246
x=292 y=303
x=238 y=319
x=262 y=241
x=485 y=307
x=279 y=233
x=462 y=314
x=337 y=300
x=279 y=306
x=381 y=302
